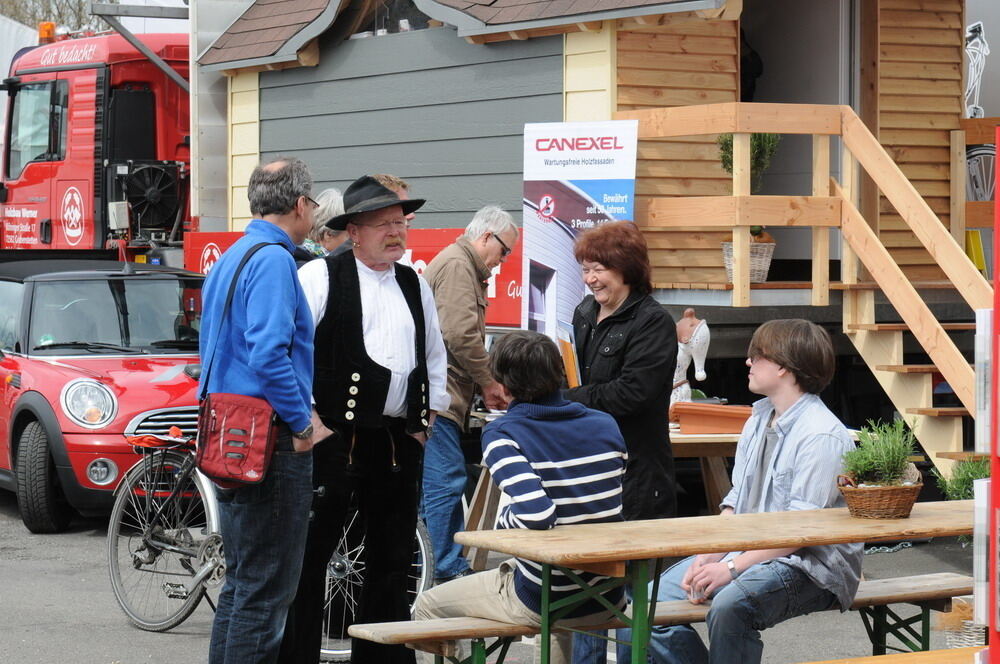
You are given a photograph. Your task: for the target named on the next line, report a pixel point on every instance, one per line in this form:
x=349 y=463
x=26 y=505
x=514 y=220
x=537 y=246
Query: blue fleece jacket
x=265 y=347
x=560 y=463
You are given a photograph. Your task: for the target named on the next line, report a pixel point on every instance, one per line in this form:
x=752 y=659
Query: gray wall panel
x=491 y=80
x=408 y=52
x=492 y=117
x=446 y=115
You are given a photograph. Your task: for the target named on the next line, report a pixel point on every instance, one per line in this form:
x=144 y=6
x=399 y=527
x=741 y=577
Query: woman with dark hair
x=627 y=346
x=626 y=343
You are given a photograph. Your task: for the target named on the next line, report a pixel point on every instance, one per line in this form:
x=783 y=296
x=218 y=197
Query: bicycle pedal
x=175 y=590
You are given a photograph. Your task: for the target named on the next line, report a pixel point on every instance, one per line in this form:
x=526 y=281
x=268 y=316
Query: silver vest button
x=351 y=403
x=348 y=415
x=353 y=389
x=355 y=377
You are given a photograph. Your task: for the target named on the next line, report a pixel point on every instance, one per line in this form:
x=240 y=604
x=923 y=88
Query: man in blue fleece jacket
x=264 y=348
x=560 y=463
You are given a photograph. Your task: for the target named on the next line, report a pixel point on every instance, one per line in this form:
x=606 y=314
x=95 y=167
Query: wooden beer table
x=629 y=550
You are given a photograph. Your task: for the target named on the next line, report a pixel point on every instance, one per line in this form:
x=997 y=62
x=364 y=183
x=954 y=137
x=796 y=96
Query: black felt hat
x=365 y=195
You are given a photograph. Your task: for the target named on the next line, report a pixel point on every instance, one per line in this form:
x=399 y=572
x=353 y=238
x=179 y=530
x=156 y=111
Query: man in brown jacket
x=458 y=277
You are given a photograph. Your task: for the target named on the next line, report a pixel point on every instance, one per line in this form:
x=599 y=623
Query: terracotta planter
x=709 y=417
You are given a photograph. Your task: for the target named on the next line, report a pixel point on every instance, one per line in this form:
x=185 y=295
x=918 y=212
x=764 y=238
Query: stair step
x=907 y=368
x=919 y=285
x=945 y=411
x=903 y=327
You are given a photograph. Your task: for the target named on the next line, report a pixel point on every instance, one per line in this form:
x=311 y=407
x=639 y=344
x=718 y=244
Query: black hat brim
x=340 y=222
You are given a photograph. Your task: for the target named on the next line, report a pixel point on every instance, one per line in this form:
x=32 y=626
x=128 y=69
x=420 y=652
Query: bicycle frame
x=211 y=508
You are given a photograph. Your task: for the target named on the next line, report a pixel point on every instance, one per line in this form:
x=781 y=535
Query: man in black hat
x=380 y=377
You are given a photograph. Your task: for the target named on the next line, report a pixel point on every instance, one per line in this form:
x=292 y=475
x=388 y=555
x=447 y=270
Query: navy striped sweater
x=560 y=463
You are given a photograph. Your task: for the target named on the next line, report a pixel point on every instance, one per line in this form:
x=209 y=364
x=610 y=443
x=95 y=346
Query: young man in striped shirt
x=560 y=463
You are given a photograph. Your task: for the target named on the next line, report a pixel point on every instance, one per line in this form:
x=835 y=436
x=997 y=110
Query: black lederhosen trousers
x=382 y=467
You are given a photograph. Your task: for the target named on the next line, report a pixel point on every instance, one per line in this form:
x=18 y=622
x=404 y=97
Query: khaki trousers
x=491 y=595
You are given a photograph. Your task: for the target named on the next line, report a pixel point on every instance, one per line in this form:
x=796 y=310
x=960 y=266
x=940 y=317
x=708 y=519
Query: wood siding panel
x=681 y=65
x=920 y=102
x=446 y=115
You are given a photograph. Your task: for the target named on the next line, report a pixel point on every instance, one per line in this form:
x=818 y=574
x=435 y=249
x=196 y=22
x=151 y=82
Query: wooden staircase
x=867 y=266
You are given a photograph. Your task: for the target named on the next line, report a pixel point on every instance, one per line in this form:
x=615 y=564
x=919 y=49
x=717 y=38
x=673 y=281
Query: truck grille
x=160 y=421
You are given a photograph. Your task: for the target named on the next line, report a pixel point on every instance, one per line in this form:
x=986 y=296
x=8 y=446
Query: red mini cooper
x=90 y=351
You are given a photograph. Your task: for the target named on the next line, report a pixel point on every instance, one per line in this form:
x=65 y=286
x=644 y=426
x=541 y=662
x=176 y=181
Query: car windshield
x=92 y=316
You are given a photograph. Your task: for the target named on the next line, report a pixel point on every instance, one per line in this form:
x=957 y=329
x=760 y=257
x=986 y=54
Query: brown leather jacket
x=458 y=277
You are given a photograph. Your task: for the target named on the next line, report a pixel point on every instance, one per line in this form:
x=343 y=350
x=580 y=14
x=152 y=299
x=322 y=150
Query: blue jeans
x=264 y=533
x=589 y=649
x=444 y=483
x=762 y=596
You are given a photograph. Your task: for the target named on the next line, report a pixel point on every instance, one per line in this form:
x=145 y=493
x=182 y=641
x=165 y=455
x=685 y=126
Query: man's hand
x=708 y=580
x=494 y=396
x=699 y=561
x=422 y=436
x=320 y=433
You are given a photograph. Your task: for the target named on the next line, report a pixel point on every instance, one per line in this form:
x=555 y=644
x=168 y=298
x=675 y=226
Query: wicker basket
x=971 y=634
x=878 y=502
x=760 y=260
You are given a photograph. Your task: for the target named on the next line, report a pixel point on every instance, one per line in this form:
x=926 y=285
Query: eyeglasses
x=314 y=203
x=505 y=251
x=397 y=225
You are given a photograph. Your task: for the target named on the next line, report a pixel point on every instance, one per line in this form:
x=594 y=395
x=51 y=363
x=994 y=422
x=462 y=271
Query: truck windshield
x=92 y=316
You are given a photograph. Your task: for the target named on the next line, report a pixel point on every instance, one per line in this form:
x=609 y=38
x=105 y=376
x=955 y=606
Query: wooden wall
x=693 y=62
x=920 y=100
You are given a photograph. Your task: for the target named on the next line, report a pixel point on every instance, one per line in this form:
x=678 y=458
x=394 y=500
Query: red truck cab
x=96 y=152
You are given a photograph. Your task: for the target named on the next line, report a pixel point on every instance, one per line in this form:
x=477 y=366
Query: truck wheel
x=43 y=507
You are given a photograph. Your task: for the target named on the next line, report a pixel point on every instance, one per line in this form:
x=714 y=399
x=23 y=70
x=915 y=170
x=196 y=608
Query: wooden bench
x=953 y=656
x=927 y=591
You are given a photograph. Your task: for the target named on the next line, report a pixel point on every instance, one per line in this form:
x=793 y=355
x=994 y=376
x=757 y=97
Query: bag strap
x=225 y=309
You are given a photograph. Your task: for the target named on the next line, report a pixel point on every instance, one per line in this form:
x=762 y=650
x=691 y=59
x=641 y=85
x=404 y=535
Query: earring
x=355 y=244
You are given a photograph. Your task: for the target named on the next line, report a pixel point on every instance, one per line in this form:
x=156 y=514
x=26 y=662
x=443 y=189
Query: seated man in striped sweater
x=560 y=463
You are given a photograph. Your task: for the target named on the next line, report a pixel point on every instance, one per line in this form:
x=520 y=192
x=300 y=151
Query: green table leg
x=546 y=634
x=639 y=571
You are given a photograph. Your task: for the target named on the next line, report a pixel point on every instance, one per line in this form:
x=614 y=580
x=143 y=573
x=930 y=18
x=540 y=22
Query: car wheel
x=43 y=507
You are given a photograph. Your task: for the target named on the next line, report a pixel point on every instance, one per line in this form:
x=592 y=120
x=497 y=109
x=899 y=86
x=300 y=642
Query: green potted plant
x=762 y=148
x=959 y=629
x=879 y=481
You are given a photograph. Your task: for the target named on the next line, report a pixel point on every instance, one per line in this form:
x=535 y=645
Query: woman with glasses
x=626 y=343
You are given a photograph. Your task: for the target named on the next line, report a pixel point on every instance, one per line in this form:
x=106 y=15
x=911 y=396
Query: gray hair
x=331 y=204
x=489 y=219
x=276 y=190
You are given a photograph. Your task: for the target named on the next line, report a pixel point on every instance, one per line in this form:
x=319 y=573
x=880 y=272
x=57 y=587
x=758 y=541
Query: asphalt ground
x=56 y=604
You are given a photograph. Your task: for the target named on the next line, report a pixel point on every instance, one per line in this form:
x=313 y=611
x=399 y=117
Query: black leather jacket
x=627 y=364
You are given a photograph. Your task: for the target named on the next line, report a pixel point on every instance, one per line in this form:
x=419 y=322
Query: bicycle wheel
x=153 y=565
x=980 y=161
x=345 y=575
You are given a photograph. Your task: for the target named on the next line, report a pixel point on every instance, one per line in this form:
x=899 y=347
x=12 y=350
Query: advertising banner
x=202 y=250
x=577 y=175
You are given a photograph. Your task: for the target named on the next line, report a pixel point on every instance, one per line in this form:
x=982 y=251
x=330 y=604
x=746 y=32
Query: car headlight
x=89 y=403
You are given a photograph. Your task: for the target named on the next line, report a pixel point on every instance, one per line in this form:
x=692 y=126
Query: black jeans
x=382 y=466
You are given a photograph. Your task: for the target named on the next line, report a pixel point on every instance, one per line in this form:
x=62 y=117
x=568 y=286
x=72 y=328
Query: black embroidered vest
x=350 y=387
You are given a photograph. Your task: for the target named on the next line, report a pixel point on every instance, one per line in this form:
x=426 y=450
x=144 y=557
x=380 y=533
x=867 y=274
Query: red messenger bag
x=236 y=432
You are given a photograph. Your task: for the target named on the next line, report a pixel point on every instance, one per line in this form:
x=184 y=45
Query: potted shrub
x=959 y=629
x=879 y=482
x=762 y=148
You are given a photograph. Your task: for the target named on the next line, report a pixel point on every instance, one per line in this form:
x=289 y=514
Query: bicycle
x=165 y=549
x=164 y=544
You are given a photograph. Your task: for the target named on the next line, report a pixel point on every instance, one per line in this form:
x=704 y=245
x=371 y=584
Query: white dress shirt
x=388 y=329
